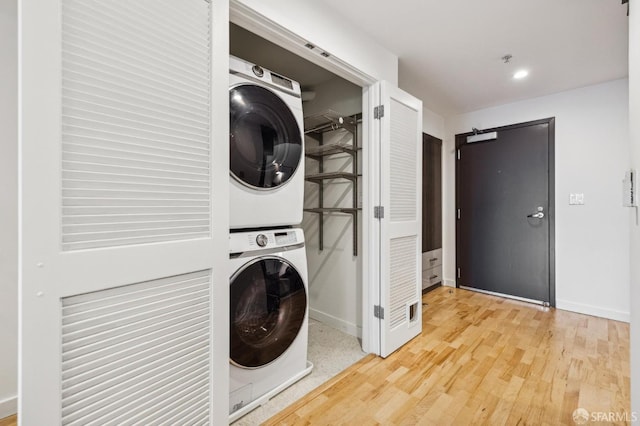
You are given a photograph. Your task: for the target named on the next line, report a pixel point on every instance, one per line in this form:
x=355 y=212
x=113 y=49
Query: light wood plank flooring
x=9 y=421
x=481 y=360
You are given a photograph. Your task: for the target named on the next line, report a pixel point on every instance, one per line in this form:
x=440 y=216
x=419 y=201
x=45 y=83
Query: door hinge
x=458 y=214
x=378 y=212
x=458 y=272
x=378 y=311
x=458 y=154
x=378 y=112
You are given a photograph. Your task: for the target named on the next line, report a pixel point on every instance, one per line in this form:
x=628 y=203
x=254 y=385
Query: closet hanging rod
x=329 y=120
x=331 y=126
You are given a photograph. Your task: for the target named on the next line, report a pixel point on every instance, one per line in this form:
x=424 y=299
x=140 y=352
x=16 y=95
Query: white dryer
x=268 y=316
x=266 y=148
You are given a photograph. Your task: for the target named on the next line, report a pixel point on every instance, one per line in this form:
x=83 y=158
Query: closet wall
x=335 y=274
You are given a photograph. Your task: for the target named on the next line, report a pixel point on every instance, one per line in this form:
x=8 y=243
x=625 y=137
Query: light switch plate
x=576 y=199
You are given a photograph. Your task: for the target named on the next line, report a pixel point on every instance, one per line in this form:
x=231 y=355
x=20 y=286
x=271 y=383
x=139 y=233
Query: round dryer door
x=265 y=139
x=268 y=306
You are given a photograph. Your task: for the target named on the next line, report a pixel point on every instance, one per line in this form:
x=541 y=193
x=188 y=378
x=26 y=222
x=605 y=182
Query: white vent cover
x=138 y=354
x=403 y=163
x=402 y=270
x=135 y=121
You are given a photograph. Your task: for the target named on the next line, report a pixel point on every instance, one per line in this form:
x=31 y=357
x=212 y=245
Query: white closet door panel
x=124 y=233
x=400 y=228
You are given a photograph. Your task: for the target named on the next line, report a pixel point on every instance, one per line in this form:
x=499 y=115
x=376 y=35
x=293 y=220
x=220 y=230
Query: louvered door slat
x=184 y=396
x=135 y=122
x=106 y=355
x=99 y=349
x=88 y=177
x=403 y=278
x=403 y=163
x=106 y=81
x=79 y=101
x=92 y=400
x=130 y=24
x=115 y=364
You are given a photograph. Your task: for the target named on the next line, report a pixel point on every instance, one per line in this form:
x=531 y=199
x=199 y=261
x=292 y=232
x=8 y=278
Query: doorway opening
x=333 y=199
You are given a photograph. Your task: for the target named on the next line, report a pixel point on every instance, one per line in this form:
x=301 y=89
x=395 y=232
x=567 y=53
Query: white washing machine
x=268 y=316
x=266 y=148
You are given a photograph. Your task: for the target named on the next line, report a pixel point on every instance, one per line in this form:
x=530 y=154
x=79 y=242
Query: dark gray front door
x=504 y=194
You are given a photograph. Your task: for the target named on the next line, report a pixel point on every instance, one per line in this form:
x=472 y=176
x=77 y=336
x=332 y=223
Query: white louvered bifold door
x=124 y=230
x=400 y=227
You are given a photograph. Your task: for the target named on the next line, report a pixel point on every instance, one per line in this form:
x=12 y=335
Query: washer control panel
x=264 y=239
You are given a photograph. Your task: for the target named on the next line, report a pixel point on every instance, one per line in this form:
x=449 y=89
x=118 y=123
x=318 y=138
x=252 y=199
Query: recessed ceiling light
x=520 y=74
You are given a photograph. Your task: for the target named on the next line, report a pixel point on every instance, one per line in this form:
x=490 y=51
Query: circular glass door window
x=268 y=305
x=265 y=140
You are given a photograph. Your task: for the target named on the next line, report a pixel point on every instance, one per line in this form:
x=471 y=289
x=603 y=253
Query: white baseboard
x=8 y=407
x=337 y=323
x=448 y=283
x=593 y=310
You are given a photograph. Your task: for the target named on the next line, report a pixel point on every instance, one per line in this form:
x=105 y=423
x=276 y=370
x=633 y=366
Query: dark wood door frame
x=461 y=139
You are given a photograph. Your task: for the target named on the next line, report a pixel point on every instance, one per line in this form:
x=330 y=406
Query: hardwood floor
x=482 y=360
x=9 y=421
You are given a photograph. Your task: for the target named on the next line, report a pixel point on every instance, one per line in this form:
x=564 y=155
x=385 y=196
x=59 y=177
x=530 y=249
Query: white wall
x=433 y=124
x=330 y=32
x=8 y=208
x=591 y=156
x=634 y=115
x=335 y=275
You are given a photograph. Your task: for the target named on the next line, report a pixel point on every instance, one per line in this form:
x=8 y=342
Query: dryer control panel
x=256 y=72
x=264 y=239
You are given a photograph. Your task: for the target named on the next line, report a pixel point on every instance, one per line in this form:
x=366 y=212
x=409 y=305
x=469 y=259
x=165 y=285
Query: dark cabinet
x=431 y=211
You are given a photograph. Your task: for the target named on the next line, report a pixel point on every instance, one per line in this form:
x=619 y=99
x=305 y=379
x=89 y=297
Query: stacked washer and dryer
x=268 y=282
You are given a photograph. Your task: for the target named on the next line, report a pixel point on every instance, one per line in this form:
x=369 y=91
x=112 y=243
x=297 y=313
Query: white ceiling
x=450 y=51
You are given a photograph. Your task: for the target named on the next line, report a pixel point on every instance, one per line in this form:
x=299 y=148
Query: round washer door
x=268 y=306
x=265 y=139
